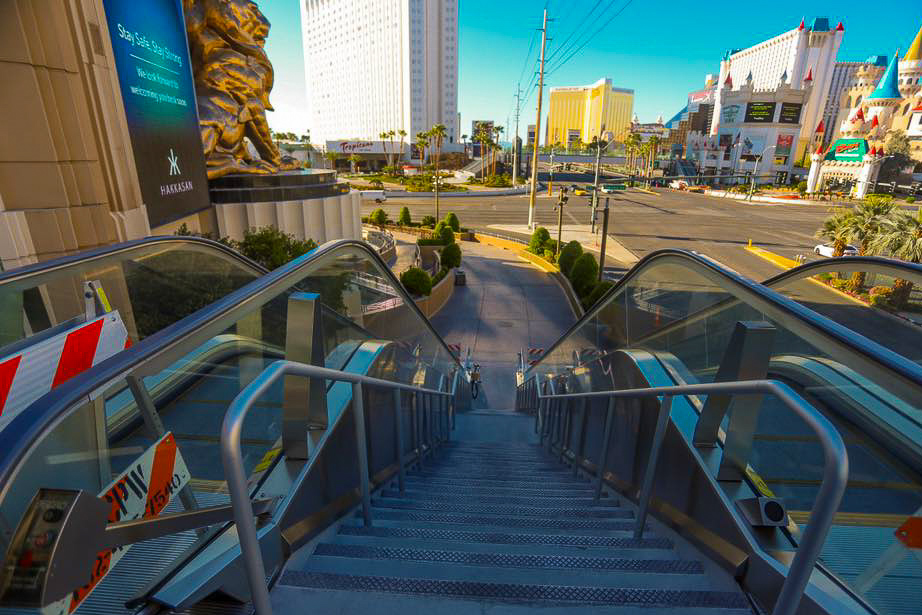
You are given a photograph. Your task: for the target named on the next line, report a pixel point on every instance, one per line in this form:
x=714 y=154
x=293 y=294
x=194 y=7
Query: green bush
x=538 y=239
x=549 y=255
x=600 y=289
x=272 y=248
x=584 y=274
x=434 y=241
x=802 y=187
x=378 y=217
x=453 y=221
x=910 y=199
x=880 y=296
x=404 y=218
x=551 y=245
x=443 y=231
x=440 y=275
x=377 y=183
x=451 y=256
x=416 y=281
x=568 y=255
x=428 y=221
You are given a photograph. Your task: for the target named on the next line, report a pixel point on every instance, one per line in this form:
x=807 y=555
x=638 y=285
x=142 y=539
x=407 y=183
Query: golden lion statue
x=233 y=78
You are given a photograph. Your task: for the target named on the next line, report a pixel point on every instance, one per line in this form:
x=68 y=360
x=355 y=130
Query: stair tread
x=605 y=511
x=548 y=501
x=533 y=523
x=533 y=593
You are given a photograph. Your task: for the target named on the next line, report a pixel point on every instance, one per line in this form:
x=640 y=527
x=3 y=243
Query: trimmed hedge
x=404 y=218
x=568 y=255
x=444 y=232
x=538 y=239
x=451 y=256
x=584 y=274
x=453 y=221
x=416 y=281
x=592 y=298
x=378 y=217
x=428 y=221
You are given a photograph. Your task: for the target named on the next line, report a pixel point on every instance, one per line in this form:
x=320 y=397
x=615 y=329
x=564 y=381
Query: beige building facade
x=67 y=172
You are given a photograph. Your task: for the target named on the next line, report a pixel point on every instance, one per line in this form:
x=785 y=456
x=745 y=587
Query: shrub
x=584 y=273
x=440 y=275
x=377 y=183
x=600 y=289
x=404 y=218
x=880 y=296
x=538 y=239
x=551 y=245
x=568 y=255
x=428 y=221
x=451 y=256
x=272 y=248
x=364 y=220
x=802 y=187
x=910 y=200
x=378 y=217
x=453 y=221
x=416 y=281
x=548 y=255
x=443 y=231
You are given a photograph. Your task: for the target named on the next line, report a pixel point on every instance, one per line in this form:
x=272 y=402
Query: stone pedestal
x=309 y=204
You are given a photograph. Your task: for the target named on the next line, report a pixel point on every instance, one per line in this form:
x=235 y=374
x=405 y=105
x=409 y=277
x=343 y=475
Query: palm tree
x=332 y=157
x=354 y=161
x=654 y=146
x=497 y=133
x=422 y=142
x=630 y=147
x=482 y=138
x=835 y=231
x=862 y=226
x=403 y=135
x=464 y=142
x=438 y=133
x=901 y=236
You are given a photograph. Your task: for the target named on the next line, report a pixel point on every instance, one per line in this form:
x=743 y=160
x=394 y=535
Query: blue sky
x=661 y=50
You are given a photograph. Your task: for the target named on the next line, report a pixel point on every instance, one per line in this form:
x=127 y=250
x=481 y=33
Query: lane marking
x=786 y=263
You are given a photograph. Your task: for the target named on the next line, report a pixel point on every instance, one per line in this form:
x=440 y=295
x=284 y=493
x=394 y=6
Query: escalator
x=361 y=500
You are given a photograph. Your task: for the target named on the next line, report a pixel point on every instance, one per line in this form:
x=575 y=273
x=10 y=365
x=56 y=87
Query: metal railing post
x=643 y=501
x=606 y=436
x=358 y=409
x=581 y=436
x=564 y=429
x=418 y=428
x=398 y=419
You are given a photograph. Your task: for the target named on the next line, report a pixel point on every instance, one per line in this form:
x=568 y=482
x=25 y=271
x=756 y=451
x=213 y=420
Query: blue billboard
x=152 y=63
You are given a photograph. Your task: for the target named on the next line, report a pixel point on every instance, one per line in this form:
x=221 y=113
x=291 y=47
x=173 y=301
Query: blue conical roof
x=888 y=88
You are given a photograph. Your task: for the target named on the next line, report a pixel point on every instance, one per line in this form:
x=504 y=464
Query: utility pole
x=515 y=139
x=595 y=183
x=561 y=201
x=604 y=235
x=534 y=162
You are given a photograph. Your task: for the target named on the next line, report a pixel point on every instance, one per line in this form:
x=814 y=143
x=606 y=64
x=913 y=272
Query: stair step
x=534 y=523
x=486 y=508
x=536 y=457
x=559 y=473
x=452 y=571
x=510 y=560
x=450 y=497
x=547 y=464
x=491 y=446
x=529 y=468
x=460 y=486
x=564 y=478
x=531 y=593
x=508 y=538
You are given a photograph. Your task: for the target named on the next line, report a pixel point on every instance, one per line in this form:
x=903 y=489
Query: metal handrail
x=17 y=438
x=877 y=264
x=832 y=486
x=232 y=455
x=833 y=331
x=63 y=262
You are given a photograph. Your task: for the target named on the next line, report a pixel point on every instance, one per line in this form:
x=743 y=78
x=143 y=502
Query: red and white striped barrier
x=455 y=349
x=29 y=373
x=534 y=351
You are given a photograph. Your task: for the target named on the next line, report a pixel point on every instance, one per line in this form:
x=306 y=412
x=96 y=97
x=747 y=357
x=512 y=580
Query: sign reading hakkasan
x=760 y=113
x=790 y=113
x=848 y=149
x=152 y=61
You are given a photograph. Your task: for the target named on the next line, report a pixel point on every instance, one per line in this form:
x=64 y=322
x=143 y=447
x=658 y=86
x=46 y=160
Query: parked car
x=610 y=188
x=825 y=249
x=580 y=191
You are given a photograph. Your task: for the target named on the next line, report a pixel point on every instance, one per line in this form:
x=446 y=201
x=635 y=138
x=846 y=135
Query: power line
x=576 y=29
x=531 y=45
x=592 y=36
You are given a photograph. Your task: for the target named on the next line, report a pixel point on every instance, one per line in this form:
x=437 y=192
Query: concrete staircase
x=503 y=529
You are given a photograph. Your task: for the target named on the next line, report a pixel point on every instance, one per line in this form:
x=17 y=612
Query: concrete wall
x=67 y=173
x=439 y=296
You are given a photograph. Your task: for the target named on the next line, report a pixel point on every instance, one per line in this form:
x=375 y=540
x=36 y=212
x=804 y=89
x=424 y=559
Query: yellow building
x=577 y=114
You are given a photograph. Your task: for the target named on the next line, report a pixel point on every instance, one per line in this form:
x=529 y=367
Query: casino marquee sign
x=848 y=150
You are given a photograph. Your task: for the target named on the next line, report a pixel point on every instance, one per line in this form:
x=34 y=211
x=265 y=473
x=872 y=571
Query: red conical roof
x=809 y=75
x=873 y=151
x=821 y=128
x=858 y=116
x=819 y=148
x=874 y=122
x=880 y=152
x=802 y=25
x=840 y=27
x=728 y=81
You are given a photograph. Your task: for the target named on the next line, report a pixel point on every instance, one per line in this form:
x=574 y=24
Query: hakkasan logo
x=177 y=187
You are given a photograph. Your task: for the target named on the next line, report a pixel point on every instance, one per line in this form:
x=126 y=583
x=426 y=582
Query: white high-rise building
x=802 y=57
x=842 y=76
x=374 y=66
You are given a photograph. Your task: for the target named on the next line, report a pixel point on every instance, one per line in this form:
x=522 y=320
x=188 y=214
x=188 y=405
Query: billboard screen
x=783 y=145
x=752 y=146
x=760 y=113
x=790 y=113
x=152 y=62
x=851 y=150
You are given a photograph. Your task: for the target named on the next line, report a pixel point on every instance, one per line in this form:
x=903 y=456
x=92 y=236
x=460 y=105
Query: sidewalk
x=406 y=251
x=614 y=251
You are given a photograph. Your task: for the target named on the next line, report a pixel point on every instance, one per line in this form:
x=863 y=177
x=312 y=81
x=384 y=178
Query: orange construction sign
x=910 y=533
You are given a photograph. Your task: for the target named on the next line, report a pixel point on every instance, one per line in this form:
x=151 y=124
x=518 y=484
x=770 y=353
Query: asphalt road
x=643 y=222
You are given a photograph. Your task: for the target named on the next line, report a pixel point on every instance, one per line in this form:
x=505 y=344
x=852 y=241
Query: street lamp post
x=755 y=170
x=735 y=163
x=561 y=201
x=550 y=182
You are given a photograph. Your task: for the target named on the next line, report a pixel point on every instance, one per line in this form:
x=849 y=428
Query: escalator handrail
x=822 y=266
x=46 y=412
x=843 y=335
x=79 y=258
